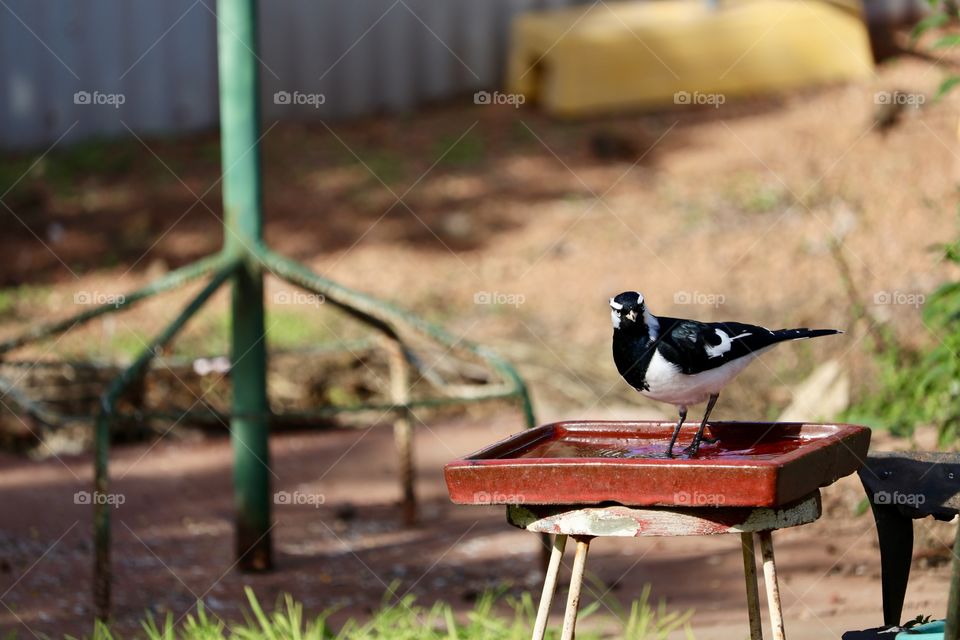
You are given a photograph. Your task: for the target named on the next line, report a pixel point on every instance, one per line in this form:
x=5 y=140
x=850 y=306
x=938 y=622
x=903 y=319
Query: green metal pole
x=102 y=577
x=242 y=205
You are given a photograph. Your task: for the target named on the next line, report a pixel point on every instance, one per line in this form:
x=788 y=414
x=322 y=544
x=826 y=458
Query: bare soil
x=173 y=542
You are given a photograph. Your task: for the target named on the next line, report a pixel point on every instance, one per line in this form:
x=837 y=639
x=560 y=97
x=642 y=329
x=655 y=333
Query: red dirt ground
x=173 y=541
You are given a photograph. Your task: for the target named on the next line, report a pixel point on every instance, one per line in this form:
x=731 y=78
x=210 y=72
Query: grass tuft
x=494 y=616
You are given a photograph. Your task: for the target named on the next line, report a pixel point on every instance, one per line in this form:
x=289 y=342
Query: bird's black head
x=627 y=311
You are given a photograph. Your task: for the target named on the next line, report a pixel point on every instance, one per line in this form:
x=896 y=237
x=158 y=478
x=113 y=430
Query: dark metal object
x=901 y=487
x=952 y=629
x=916 y=483
x=590 y=462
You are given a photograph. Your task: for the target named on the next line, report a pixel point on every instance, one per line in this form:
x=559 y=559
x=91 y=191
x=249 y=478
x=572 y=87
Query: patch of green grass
x=209 y=152
x=918 y=387
x=26 y=294
x=62 y=170
x=400 y=618
x=8 y=301
x=748 y=192
x=96 y=158
x=521 y=134
x=287 y=328
x=12 y=171
x=290 y=327
x=127 y=343
x=460 y=152
x=207 y=334
x=388 y=166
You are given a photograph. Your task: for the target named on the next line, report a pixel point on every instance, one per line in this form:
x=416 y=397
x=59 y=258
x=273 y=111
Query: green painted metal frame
x=243 y=224
x=243 y=261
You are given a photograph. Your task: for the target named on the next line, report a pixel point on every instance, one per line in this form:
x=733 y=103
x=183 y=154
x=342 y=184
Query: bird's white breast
x=666 y=383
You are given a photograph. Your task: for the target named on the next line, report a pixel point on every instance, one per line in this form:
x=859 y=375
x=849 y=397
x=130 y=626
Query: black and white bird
x=686 y=362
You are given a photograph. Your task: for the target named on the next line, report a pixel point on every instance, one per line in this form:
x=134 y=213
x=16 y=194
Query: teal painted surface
x=929 y=631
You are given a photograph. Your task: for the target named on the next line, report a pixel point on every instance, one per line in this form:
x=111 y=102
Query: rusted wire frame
x=30 y=406
x=211 y=416
x=184 y=361
x=172 y=280
x=386 y=318
x=101 y=517
x=49 y=416
x=374 y=313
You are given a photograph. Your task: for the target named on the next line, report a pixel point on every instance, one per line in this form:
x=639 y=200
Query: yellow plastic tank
x=618 y=55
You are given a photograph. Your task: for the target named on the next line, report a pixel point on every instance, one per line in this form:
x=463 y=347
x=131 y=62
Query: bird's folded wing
x=698 y=346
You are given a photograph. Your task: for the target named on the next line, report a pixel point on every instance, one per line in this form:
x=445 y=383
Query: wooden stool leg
x=770 y=580
x=549 y=586
x=753 y=596
x=545 y=551
x=576 y=581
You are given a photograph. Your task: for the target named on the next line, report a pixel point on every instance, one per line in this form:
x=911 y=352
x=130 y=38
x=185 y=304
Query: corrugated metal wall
x=363 y=56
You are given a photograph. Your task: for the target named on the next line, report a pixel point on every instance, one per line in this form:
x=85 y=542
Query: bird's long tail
x=801 y=334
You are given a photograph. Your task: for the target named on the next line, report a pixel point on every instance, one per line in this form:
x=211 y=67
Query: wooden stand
x=585 y=523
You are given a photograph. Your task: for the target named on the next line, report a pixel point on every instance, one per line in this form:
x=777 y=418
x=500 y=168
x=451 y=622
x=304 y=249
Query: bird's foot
x=694 y=447
x=691 y=451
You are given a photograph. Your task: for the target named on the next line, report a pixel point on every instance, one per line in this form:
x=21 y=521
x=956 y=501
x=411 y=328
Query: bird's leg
x=708 y=440
x=695 y=445
x=676 y=431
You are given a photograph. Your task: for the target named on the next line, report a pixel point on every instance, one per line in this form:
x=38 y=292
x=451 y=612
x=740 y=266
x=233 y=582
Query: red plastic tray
x=754 y=464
